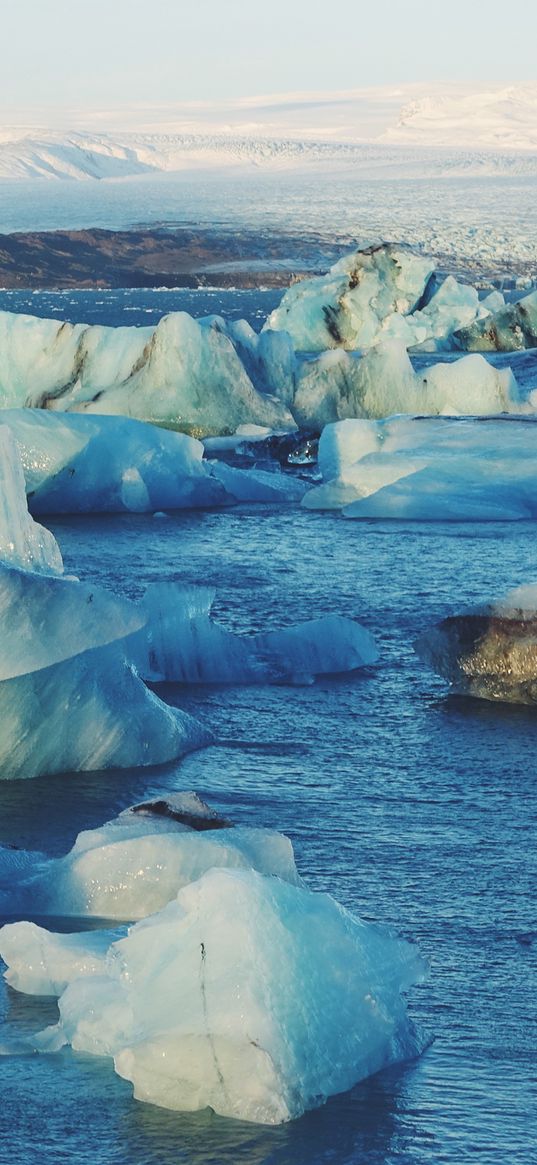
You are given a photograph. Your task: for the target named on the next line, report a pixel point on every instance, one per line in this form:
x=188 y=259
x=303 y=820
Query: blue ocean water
x=133 y=307
x=412 y=807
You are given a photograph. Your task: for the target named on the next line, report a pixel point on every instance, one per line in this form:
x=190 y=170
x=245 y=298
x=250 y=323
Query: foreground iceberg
x=428 y=469
x=488 y=651
x=134 y=865
x=246 y=993
x=69 y=698
x=180 y=642
x=183 y=372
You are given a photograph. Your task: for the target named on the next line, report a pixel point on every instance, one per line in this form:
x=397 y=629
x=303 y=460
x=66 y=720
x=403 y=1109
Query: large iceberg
x=488 y=651
x=184 y=372
x=246 y=993
x=428 y=468
x=388 y=291
x=69 y=697
x=346 y=307
x=82 y=464
x=181 y=643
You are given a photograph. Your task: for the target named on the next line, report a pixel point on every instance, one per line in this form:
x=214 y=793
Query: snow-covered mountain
x=441 y=130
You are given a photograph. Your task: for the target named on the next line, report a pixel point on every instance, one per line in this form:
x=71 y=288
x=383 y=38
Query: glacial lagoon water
x=412 y=807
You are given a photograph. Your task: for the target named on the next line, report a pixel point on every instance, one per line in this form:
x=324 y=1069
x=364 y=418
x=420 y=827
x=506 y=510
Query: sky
x=105 y=53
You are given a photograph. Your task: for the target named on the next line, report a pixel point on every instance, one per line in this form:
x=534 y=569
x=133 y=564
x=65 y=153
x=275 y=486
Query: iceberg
x=82 y=464
x=428 y=469
x=246 y=993
x=180 y=643
x=339 y=385
x=488 y=651
x=132 y=866
x=69 y=697
x=346 y=307
x=183 y=372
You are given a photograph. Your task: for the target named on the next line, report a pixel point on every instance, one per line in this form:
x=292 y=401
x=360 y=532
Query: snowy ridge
x=443 y=130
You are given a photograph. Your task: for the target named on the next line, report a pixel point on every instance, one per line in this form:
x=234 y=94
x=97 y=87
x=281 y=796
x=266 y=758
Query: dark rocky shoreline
x=164 y=256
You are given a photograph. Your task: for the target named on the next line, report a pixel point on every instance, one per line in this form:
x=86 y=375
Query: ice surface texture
x=246 y=993
x=489 y=651
x=429 y=468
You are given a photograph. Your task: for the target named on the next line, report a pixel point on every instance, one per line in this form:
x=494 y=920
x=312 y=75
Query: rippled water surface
x=410 y=806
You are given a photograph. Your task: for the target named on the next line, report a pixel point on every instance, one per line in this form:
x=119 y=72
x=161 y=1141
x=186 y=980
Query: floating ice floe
x=429 y=469
x=346 y=307
x=181 y=643
x=82 y=464
x=247 y=992
x=488 y=651
x=69 y=697
x=132 y=866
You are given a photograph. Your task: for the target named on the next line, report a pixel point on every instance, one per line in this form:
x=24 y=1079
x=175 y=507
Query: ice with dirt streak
x=246 y=993
x=183 y=372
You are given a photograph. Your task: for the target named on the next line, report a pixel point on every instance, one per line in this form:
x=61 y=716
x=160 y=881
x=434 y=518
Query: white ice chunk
x=23 y=542
x=132 y=866
x=428 y=468
x=247 y=994
x=41 y=962
x=337 y=386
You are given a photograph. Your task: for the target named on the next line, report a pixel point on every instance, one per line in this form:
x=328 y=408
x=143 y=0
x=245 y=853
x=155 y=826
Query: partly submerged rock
x=490 y=651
